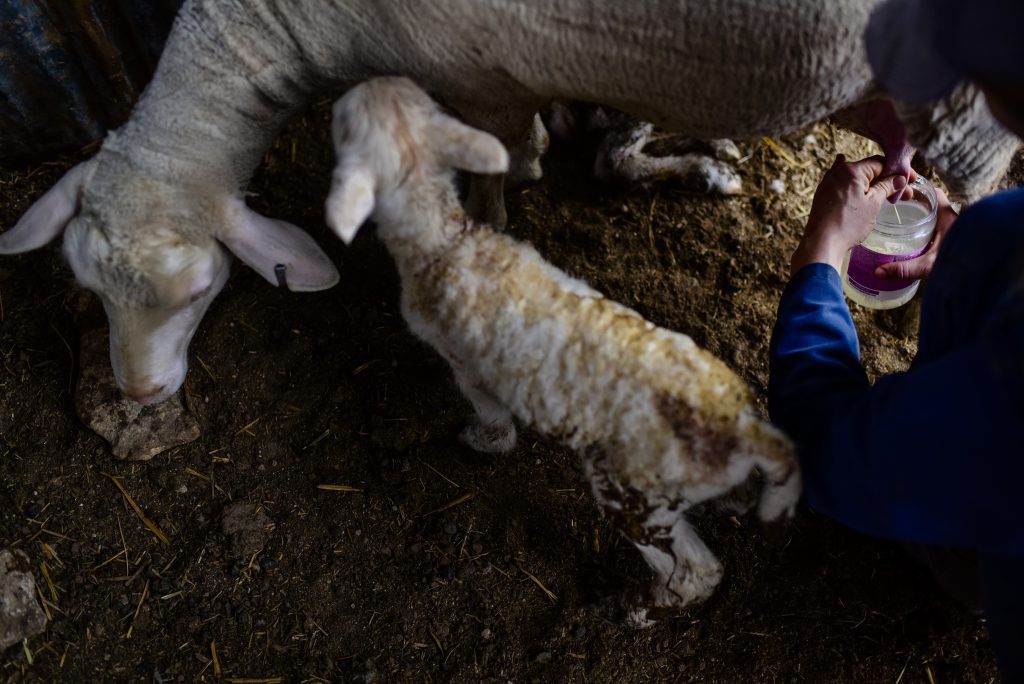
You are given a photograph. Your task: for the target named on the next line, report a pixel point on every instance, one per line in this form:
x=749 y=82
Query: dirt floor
x=438 y=564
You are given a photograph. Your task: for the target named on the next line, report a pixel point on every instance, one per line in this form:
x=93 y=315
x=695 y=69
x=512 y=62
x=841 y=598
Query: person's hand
x=919 y=267
x=844 y=209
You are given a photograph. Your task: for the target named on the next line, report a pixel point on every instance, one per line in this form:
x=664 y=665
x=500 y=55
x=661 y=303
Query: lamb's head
x=959 y=135
x=152 y=251
x=395 y=147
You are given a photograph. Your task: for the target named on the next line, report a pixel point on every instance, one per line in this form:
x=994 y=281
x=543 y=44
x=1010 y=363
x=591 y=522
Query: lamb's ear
x=350 y=201
x=469 y=149
x=280 y=252
x=45 y=219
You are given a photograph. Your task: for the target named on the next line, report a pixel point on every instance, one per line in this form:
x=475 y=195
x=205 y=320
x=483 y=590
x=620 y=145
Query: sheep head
x=152 y=251
x=389 y=134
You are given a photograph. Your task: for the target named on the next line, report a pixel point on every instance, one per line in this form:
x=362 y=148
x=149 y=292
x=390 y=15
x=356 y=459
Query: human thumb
x=911 y=269
x=891 y=187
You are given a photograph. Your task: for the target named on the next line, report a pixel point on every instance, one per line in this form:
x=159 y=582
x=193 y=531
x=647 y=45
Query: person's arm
x=933 y=455
x=908 y=457
x=814 y=351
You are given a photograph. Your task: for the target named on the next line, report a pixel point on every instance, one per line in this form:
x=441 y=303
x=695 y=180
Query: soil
x=425 y=561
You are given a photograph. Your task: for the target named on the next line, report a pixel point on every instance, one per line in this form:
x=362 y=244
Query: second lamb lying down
x=661 y=425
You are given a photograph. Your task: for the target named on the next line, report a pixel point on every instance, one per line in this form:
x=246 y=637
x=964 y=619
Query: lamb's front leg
x=486 y=200
x=517 y=126
x=491 y=429
x=524 y=157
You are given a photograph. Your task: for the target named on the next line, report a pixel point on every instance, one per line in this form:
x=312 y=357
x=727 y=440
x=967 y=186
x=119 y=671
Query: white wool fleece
x=233 y=71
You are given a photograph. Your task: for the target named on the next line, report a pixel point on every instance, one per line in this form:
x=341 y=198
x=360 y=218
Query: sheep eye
x=198 y=295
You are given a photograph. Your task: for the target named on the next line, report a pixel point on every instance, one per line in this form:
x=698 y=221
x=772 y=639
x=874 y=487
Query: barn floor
x=441 y=564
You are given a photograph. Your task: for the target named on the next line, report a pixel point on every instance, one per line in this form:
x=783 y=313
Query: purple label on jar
x=861 y=270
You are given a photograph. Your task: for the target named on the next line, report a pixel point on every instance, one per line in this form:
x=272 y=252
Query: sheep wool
x=172 y=179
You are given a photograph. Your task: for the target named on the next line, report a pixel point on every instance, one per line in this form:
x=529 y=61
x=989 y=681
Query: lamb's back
x=574 y=364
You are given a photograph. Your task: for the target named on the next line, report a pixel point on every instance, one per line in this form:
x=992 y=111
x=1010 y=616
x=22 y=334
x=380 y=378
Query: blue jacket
x=934 y=454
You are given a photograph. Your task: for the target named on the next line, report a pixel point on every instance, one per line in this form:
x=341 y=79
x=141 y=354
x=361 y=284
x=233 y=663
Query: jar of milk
x=902 y=231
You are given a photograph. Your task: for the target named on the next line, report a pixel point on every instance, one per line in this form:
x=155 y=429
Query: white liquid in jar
x=891 y=216
x=902 y=213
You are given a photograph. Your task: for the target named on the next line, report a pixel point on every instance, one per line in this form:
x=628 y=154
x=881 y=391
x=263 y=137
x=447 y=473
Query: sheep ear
x=280 y=252
x=45 y=219
x=350 y=201
x=470 y=149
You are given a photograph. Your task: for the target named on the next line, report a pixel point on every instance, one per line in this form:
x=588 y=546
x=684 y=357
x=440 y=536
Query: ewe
x=146 y=217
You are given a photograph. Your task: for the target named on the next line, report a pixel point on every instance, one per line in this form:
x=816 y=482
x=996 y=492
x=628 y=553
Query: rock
x=135 y=432
x=20 y=614
x=247 y=527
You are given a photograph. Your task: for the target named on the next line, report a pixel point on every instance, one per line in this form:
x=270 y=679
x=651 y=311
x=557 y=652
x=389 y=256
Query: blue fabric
x=935 y=454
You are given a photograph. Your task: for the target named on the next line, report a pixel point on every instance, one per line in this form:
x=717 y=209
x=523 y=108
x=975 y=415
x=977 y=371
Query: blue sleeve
x=932 y=455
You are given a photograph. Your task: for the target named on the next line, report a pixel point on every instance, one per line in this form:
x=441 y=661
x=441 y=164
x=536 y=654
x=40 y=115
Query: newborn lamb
x=661 y=425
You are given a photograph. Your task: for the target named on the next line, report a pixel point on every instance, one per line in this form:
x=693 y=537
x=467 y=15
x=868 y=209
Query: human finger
x=887 y=187
x=920 y=267
x=909 y=269
x=946 y=214
x=869 y=168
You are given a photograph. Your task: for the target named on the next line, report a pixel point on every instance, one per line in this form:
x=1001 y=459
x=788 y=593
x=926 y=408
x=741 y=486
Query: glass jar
x=902 y=231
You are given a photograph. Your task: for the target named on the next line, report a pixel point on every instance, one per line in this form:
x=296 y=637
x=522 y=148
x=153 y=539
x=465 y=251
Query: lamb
x=622 y=147
x=146 y=217
x=661 y=425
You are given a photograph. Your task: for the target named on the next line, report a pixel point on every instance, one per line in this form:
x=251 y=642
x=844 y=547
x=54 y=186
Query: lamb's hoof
x=695 y=588
x=725 y=149
x=779 y=500
x=777 y=534
x=628 y=609
x=493 y=438
x=639 y=617
x=524 y=165
x=523 y=172
x=712 y=176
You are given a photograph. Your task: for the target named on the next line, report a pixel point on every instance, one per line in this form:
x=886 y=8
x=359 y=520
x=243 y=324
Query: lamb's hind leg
x=623 y=155
x=491 y=429
x=686 y=569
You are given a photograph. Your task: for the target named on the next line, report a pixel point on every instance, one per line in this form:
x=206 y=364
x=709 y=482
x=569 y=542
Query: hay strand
x=550 y=594
x=138 y=608
x=138 y=511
